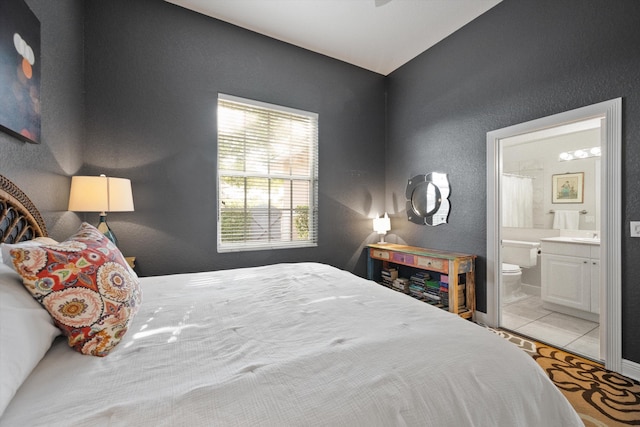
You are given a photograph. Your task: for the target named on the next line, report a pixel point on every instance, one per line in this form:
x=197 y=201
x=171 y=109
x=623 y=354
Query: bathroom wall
x=539 y=159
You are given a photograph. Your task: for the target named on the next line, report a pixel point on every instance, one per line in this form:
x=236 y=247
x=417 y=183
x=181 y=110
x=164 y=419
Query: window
x=267 y=176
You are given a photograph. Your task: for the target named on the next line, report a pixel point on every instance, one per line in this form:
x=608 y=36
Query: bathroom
x=550 y=199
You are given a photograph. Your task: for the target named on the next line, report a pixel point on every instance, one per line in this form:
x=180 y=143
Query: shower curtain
x=517 y=201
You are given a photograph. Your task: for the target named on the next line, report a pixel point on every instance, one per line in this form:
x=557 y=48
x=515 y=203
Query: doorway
x=550 y=204
x=609 y=113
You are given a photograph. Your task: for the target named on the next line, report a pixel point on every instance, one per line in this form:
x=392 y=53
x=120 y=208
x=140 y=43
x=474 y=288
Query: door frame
x=610 y=216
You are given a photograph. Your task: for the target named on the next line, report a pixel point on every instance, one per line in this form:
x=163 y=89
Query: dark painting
x=20 y=68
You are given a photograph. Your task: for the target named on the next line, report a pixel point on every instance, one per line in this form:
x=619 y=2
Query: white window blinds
x=267 y=176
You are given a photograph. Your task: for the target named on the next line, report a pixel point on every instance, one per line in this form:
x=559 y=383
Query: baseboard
x=481 y=318
x=531 y=289
x=631 y=369
x=581 y=314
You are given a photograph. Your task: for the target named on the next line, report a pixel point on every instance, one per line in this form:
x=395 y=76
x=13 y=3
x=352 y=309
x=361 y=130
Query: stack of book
x=389 y=275
x=432 y=292
x=444 y=292
x=420 y=277
x=416 y=284
x=444 y=288
x=416 y=291
x=401 y=284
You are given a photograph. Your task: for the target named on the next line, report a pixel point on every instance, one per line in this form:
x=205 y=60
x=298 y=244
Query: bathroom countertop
x=579 y=240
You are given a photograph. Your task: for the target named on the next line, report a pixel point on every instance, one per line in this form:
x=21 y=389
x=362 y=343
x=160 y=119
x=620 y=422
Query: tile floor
x=527 y=317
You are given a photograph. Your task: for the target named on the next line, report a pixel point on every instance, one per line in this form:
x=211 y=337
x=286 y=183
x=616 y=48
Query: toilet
x=515 y=255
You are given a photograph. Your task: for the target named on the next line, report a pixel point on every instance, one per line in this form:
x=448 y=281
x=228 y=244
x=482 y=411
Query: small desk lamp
x=101 y=194
x=381 y=226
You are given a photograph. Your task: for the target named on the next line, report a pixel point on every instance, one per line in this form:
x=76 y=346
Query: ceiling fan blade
x=381 y=2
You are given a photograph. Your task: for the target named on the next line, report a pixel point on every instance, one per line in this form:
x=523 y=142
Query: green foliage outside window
x=301 y=214
x=232 y=225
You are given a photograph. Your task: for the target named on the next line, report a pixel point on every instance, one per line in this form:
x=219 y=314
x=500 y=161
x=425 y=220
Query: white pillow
x=5 y=256
x=26 y=333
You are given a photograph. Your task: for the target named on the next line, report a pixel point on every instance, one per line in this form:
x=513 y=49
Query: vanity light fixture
x=101 y=194
x=583 y=153
x=381 y=226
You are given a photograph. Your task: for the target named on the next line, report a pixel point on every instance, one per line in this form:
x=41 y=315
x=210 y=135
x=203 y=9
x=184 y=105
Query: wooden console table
x=456 y=266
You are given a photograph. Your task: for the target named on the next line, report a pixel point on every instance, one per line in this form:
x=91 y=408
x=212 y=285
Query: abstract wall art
x=20 y=70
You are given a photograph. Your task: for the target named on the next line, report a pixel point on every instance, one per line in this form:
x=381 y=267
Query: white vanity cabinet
x=571 y=277
x=595 y=280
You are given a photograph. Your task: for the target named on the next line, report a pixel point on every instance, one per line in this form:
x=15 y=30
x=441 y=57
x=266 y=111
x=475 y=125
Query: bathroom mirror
x=428 y=199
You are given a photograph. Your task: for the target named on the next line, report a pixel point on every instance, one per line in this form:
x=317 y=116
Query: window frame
x=311 y=178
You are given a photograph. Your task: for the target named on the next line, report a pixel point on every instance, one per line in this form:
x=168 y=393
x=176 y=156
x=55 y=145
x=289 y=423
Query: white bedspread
x=290 y=345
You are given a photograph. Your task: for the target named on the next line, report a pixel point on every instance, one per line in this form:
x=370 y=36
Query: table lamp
x=101 y=194
x=381 y=226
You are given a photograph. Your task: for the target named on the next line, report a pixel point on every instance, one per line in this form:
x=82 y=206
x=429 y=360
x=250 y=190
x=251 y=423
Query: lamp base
x=103 y=227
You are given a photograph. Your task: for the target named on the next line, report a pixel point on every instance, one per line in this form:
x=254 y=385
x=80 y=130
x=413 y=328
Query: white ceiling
x=378 y=35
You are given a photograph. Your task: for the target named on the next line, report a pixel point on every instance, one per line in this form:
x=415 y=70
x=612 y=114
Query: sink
x=586 y=239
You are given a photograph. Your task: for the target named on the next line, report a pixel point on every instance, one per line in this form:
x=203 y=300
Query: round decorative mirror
x=427 y=199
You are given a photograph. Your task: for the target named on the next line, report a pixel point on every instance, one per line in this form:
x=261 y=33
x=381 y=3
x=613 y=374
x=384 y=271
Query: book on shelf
x=432 y=297
x=445 y=285
x=420 y=277
x=444 y=293
x=415 y=294
x=402 y=284
x=391 y=273
x=388 y=276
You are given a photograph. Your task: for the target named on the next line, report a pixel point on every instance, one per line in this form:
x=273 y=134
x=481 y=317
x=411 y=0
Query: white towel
x=566 y=220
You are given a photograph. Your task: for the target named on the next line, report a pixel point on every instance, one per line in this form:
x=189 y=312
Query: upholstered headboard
x=19 y=218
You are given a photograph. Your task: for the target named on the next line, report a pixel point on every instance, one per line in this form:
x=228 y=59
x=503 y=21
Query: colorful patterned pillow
x=85 y=285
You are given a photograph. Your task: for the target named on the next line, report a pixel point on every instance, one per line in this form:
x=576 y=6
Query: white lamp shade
x=382 y=225
x=100 y=194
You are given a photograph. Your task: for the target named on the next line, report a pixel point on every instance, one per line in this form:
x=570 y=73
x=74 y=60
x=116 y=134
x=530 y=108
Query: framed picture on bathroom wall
x=568 y=188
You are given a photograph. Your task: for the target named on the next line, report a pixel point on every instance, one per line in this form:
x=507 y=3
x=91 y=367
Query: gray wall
x=42 y=170
x=153 y=73
x=520 y=61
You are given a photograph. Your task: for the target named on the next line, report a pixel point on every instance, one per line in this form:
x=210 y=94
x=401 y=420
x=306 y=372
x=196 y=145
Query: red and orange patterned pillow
x=85 y=285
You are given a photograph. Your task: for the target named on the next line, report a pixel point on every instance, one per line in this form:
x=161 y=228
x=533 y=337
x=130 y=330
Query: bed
x=300 y=344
